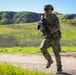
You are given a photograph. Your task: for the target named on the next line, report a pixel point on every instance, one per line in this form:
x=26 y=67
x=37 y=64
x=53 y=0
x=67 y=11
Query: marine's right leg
x=44 y=46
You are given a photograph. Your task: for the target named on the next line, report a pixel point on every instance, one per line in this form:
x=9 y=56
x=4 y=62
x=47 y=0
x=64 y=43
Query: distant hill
x=67 y=18
x=26 y=17
x=18 y=17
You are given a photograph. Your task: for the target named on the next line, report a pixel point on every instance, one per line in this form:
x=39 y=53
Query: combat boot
x=49 y=63
x=59 y=70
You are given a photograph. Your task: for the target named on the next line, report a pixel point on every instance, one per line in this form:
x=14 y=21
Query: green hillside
x=26 y=17
x=18 y=17
x=67 y=18
x=26 y=35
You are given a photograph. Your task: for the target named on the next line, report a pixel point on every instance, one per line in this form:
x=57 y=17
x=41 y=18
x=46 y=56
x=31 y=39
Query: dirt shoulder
x=38 y=62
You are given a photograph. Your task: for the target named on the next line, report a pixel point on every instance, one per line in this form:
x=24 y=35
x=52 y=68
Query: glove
x=38 y=26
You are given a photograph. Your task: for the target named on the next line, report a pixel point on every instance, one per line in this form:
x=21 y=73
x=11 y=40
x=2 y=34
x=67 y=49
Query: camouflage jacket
x=53 y=22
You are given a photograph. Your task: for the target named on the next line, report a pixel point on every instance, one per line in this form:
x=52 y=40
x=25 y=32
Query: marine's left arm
x=56 y=24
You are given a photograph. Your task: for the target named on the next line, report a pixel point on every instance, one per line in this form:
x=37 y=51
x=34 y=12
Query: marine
x=51 y=36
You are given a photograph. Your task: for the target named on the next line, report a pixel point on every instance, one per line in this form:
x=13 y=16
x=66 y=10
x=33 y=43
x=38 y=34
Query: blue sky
x=61 y=6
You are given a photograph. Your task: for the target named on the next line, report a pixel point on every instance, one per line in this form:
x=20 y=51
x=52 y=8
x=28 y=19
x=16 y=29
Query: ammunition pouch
x=56 y=34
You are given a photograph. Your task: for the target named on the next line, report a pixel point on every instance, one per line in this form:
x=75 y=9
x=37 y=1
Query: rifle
x=42 y=25
x=41 y=22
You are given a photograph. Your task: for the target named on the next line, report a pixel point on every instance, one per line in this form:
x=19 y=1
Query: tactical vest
x=49 y=23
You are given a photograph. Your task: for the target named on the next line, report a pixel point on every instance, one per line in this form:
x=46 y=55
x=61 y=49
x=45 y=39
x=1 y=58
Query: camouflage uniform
x=50 y=27
x=52 y=39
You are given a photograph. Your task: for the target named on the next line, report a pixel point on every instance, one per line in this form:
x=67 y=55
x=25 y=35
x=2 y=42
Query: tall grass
x=20 y=32
x=8 y=69
x=27 y=32
x=68 y=32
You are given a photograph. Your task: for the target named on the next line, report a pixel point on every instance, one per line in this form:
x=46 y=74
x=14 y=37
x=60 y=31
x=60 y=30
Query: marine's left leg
x=56 y=49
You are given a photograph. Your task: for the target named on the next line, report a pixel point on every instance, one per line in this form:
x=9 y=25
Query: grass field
x=33 y=50
x=8 y=69
x=26 y=35
x=68 y=32
x=28 y=32
x=20 y=32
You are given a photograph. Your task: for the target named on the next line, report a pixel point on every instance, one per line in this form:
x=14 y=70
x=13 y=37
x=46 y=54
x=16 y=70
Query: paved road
x=37 y=62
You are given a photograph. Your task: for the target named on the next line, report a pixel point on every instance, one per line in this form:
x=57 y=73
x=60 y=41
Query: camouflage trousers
x=55 y=44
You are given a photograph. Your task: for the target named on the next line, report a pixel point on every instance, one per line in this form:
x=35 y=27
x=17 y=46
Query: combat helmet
x=47 y=7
